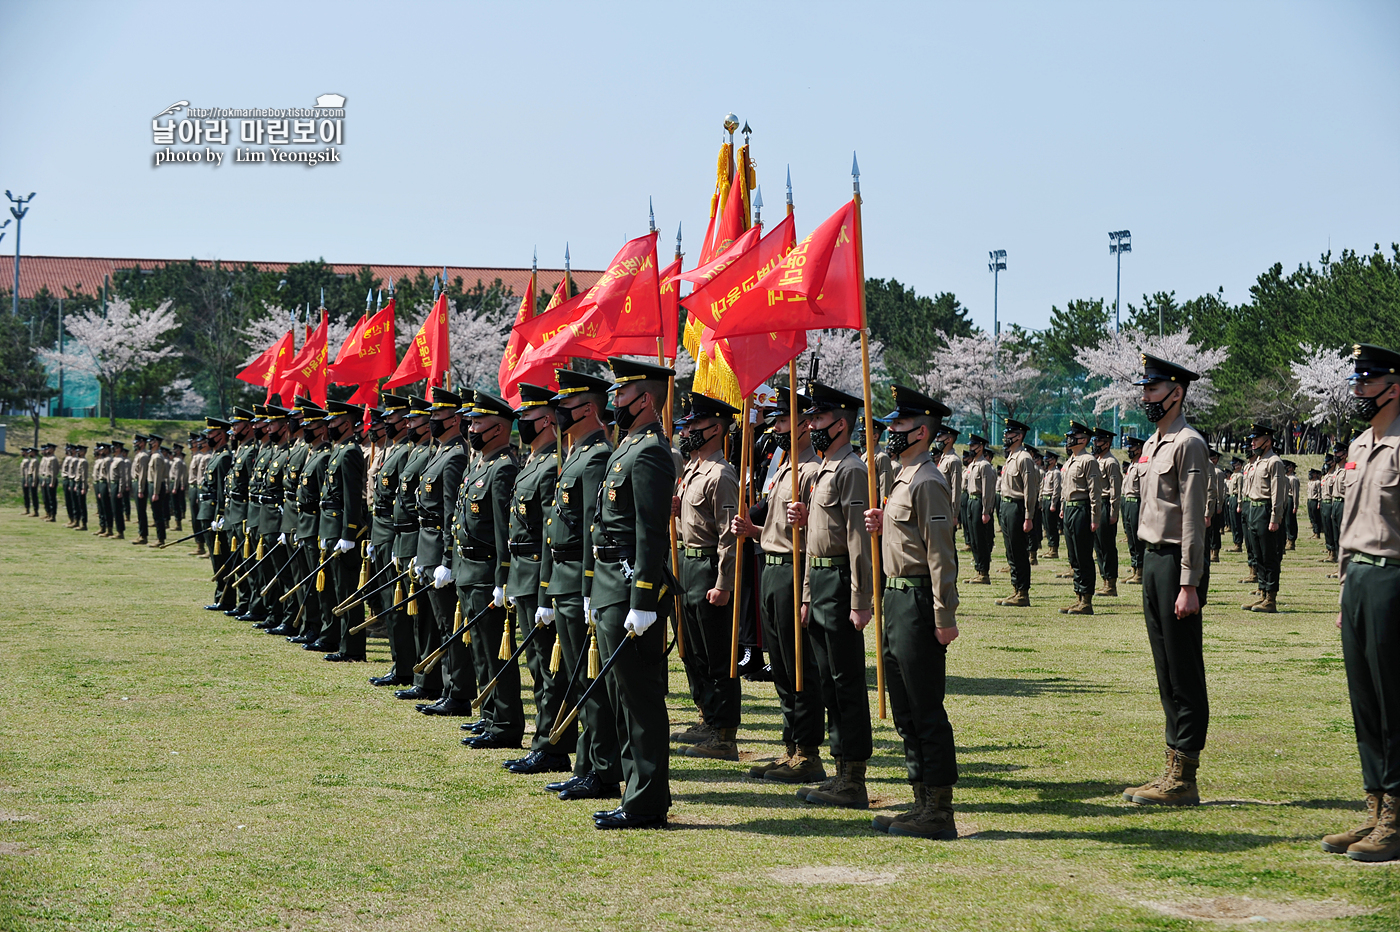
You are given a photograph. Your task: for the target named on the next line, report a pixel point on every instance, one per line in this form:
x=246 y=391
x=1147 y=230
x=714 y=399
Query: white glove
x=638 y=622
x=544 y=616
x=588 y=615
x=343 y=545
x=282 y=539
x=441 y=577
x=498 y=596
x=217 y=524
x=369 y=552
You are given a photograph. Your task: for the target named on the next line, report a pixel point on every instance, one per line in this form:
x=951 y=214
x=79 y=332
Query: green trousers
x=708 y=635
x=1106 y=544
x=344 y=572
x=1132 y=510
x=1176 y=650
x=1268 y=545
x=595 y=741
x=547 y=688
x=1079 y=543
x=637 y=689
x=982 y=536
x=802 y=711
x=454 y=674
x=1371 y=649
x=1018 y=546
x=502 y=710
x=915 y=672
x=840 y=653
x=397 y=622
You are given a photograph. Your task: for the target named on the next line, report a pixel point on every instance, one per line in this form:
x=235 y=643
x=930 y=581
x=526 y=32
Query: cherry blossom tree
x=974 y=375
x=839 y=355
x=1118 y=358
x=181 y=400
x=119 y=343
x=1322 y=376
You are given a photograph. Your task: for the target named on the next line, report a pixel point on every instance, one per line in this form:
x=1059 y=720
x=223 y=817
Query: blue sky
x=1226 y=136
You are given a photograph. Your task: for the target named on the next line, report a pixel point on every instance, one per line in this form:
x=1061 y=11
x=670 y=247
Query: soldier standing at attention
x=1232 y=503
x=81 y=474
x=803 y=724
x=314 y=598
x=1176 y=575
x=212 y=505
x=119 y=488
x=1110 y=506
x=417 y=609
x=288 y=519
x=1132 y=506
x=532 y=499
x=565 y=572
x=234 y=517
x=1251 y=544
x=1370 y=568
x=1266 y=499
x=1291 y=515
x=199 y=459
x=1020 y=491
x=179 y=485
x=918 y=552
x=101 y=486
x=26 y=481
x=481 y=530
x=1339 y=500
x=157 y=478
x=65 y=472
x=980 y=480
x=140 y=457
x=49 y=475
x=707 y=501
x=950 y=464
x=1037 y=535
x=838 y=593
x=1315 y=502
x=1082 y=491
x=1050 y=502
x=630 y=591
x=1216 y=512
x=267 y=498
x=343 y=522
x=385 y=490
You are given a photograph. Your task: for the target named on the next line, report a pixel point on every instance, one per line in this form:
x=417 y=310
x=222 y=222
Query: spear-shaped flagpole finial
x=534 y=260
x=651 y=215
x=789 y=185
x=855 y=173
x=379 y=300
x=369 y=298
x=566 y=257
x=444 y=278
x=323 y=300
x=391 y=286
x=678 y=240
x=757 y=204
x=747 y=132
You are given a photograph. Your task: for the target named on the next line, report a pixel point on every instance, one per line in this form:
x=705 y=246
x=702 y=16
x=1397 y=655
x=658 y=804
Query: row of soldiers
x=158 y=478
x=472 y=557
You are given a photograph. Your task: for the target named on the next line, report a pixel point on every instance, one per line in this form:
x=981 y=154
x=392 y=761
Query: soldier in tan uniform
x=1370 y=624
x=1176 y=576
x=28 y=481
x=919 y=557
x=1020 y=493
x=950 y=464
x=838 y=593
x=139 y=459
x=1081 y=491
x=1050 y=482
x=157 y=480
x=81 y=476
x=707 y=501
x=1232 y=503
x=48 y=473
x=1131 y=509
x=1290 y=518
x=803 y=724
x=179 y=485
x=1264 y=503
x=1110 y=506
x=1315 y=503
x=101 y=487
x=980 y=480
x=120 y=489
x=1216 y=510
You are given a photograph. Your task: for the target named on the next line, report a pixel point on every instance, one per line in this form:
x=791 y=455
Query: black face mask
x=899 y=441
x=1154 y=410
x=529 y=430
x=822 y=439
x=1367 y=408
x=568 y=417
x=693 y=441
x=782 y=441
x=437 y=428
x=626 y=417
x=477 y=440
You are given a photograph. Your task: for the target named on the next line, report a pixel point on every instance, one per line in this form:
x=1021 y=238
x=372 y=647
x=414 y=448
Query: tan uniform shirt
x=179 y=475
x=157 y=471
x=121 y=475
x=102 y=469
x=917 y=538
x=1020 y=479
x=1314 y=490
x=1371 y=516
x=709 y=493
x=1082 y=480
x=81 y=471
x=950 y=464
x=49 y=471
x=776 y=536
x=1174 y=483
x=1112 y=473
x=884 y=473
x=1232 y=485
x=1132 y=481
x=373 y=463
x=1268 y=482
x=1219 y=487
x=1292 y=492
x=139 y=464
x=26 y=471
x=981 y=480
x=1050 y=487
x=836 y=521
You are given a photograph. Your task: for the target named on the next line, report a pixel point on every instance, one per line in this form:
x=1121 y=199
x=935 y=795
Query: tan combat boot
x=1003 y=569
x=1237 y=548
x=1340 y=842
x=1215 y=556
x=1249 y=606
x=140 y=542
x=1132 y=791
x=881 y=823
x=1293 y=544
x=981 y=579
x=1383 y=843
x=1267 y=603
x=1110 y=588
x=1068 y=574
x=848 y=791
x=121 y=535
x=757 y=771
x=1085 y=605
x=1035 y=558
x=719 y=746
x=1253 y=576
x=933 y=821
x=695 y=733
x=826 y=784
x=805 y=766
x=1021 y=598
x=1177 y=787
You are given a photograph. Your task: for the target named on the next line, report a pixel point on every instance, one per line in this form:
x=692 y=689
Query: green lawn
x=163 y=767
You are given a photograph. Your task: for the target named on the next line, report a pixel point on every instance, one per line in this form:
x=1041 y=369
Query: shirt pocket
x=617 y=493
x=1163 y=479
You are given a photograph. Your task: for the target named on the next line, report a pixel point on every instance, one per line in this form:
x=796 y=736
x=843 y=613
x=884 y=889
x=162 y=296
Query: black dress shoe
x=282 y=630
x=517 y=761
x=414 y=692
x=312 y=644
x=249 y=616
x=325 y=645
x=590 y=786
x=477 y=727
x=563 y=784
x=624 y=819
x=216 y=607
x=602 y=813
x=267 y=624
x=448 y=707
x=488 y=742
x=388 y=679
x=339 y=657
x=299 y=639
x=233 y=612
x=542 y=762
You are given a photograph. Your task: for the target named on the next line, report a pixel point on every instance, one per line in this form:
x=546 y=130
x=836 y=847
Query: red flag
x=815 y=287
x=366 y=394
x=368 y=353
x=309 y=366
x=733 y=222
x=756 y=357
x=515 y=343
x=561 y=294
x=427 y=355
x=263 y=370
x=670 y=308
x=624 y=307
x=732 y=288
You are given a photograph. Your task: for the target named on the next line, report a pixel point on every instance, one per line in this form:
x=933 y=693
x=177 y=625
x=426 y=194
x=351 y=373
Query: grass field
x=163 y=767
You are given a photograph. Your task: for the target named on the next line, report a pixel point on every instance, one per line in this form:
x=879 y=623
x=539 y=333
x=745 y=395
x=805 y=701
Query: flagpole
x=793 y=457
x=668 y=426
x=736 y=600
x=870 y=435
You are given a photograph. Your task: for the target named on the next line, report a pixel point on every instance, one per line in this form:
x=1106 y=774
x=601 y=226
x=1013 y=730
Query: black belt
x=1159 y=548
x=404 y=527
x=566 y=554
x=614 y=554
x=525 y=548
x=383 y=512
x=477 y=555
x=430 y=525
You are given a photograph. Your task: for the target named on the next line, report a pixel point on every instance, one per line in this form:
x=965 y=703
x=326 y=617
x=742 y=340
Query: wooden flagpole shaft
x=872 y=477
x=667 y=425
x=793 y=457
x=735 y=599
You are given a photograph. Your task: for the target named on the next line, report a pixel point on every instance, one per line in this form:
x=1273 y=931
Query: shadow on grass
x=856 y=827
x=1025 y=688
x=1155 y=839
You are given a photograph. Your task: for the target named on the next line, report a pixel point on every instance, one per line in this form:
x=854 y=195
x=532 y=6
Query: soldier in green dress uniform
x=343 y=523
x=398 y=624
x=417 y=609
x=315 y=597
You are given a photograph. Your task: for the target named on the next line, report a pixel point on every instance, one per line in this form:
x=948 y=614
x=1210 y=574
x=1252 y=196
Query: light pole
x=1119 y=242
x=996 y=264
x=18 y=212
